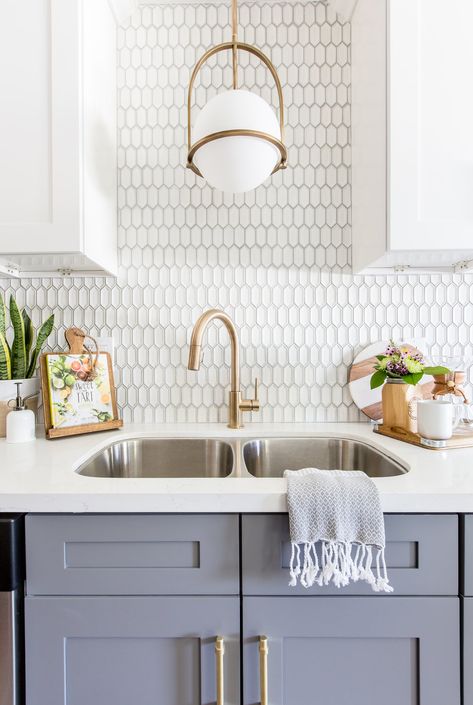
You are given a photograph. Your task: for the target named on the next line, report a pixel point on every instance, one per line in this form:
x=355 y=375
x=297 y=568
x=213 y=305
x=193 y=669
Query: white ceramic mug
x=437 y=419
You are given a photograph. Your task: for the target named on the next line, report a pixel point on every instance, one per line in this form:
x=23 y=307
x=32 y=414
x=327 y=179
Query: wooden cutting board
x=369 y=400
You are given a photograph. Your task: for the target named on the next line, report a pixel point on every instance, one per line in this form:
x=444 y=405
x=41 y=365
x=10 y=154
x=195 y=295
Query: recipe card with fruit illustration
x=80 y=390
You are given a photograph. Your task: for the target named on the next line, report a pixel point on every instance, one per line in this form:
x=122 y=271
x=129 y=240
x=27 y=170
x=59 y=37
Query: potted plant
x=400 y=369
x=19 y=358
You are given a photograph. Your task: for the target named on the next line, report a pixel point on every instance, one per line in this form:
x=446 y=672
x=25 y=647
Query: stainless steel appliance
x=12 y=574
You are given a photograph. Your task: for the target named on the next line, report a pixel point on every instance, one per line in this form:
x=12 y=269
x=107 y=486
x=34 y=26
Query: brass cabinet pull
x=263 y=669
x=219 y=651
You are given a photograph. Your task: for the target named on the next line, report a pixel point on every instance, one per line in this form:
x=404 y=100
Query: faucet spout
x=195 y=356
x=195 y=350
x=236 y=404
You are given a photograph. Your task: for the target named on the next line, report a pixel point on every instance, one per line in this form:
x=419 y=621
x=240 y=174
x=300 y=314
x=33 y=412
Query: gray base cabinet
x=467 y=605
x=468 y=651
x=126 y=610
x=130 y=650
x=149 y=554
x=414 y=543
x=353 y=651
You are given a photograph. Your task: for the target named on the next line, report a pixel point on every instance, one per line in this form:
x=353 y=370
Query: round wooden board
x=369 y=400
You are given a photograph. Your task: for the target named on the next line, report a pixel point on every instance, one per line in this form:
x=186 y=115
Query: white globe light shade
x=236 y=164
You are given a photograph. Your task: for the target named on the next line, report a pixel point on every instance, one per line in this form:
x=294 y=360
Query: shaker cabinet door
x=131 y=650
x=431 y=145
x=352 y=651
x=468 y=651
x=412 y=143
x=58 y=177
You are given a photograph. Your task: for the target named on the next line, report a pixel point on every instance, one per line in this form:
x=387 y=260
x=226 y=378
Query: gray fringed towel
x=337 y=529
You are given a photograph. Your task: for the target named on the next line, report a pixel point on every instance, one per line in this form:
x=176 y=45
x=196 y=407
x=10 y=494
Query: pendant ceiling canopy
x=237 y=141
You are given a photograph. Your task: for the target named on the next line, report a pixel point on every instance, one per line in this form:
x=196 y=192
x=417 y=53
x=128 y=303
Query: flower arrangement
x=403 y=363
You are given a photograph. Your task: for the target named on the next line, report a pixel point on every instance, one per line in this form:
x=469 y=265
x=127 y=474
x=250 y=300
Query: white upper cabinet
x=412 y=135
x=58 y=164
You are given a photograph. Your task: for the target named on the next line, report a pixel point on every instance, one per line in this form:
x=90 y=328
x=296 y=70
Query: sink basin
x=271 y=456
x=162 y=457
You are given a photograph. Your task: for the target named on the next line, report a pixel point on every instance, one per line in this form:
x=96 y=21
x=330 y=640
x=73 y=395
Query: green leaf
x=380 y=357
x=3 y=316
x=438 y=370
x=5 y=359
x=413 y=378
x=29 y=333
x=377 y=379
x=18 y=349
x=43 y=333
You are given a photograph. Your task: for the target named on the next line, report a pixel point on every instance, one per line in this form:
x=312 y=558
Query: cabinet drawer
x=421 y=555
x=467 y=587
x=132 y=555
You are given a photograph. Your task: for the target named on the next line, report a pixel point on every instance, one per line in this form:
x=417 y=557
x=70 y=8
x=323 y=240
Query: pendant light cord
x=235 y=43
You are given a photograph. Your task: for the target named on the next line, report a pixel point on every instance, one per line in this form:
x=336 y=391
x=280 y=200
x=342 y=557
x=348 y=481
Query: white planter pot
x=8 y=388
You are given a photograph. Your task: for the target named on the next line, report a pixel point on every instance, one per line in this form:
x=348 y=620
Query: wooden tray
x=462 y=438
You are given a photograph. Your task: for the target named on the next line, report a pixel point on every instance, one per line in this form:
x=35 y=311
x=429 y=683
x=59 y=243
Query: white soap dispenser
x=20 y=420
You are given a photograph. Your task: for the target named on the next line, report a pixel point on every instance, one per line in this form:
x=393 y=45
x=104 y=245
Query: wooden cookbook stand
x=75 y=339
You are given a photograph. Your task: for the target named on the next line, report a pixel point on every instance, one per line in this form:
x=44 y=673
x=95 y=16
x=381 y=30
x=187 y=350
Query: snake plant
x=19 y=360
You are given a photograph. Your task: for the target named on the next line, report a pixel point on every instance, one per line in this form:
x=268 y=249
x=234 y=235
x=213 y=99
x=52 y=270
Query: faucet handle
x=251 y=404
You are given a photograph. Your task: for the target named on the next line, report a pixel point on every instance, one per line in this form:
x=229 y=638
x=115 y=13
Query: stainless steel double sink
x=218 y=457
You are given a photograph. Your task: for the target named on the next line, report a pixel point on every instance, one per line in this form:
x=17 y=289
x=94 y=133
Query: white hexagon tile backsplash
x=277 y=259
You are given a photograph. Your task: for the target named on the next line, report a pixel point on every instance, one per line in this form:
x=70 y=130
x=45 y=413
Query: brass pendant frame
x=234 y=46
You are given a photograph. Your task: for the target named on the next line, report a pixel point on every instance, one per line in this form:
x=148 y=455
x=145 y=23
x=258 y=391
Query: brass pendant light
x=238 y=141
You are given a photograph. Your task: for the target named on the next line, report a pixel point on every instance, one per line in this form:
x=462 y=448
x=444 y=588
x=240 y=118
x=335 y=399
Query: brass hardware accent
x=219 y=652
x=251 y=404
x=236 y=404
x=263 y=669
x=234 y=46
x=282 y=164
x=235 y=43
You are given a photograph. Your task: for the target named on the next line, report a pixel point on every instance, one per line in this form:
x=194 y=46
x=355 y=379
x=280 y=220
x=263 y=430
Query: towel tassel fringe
x=340 y=562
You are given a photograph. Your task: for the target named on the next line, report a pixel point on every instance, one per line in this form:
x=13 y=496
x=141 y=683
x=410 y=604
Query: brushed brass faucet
x=236 y=404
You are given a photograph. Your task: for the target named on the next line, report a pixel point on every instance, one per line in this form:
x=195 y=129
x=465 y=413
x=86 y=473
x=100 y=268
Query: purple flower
x=418 y=357
x=397 y=368
x=392 y=349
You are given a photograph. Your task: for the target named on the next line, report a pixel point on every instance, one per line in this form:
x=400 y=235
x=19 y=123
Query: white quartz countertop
x=41 y=476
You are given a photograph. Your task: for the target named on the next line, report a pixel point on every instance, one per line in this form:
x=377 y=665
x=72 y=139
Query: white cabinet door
x=430 y=112
x=39 y=65
x=57 y=134
x=412 y=141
